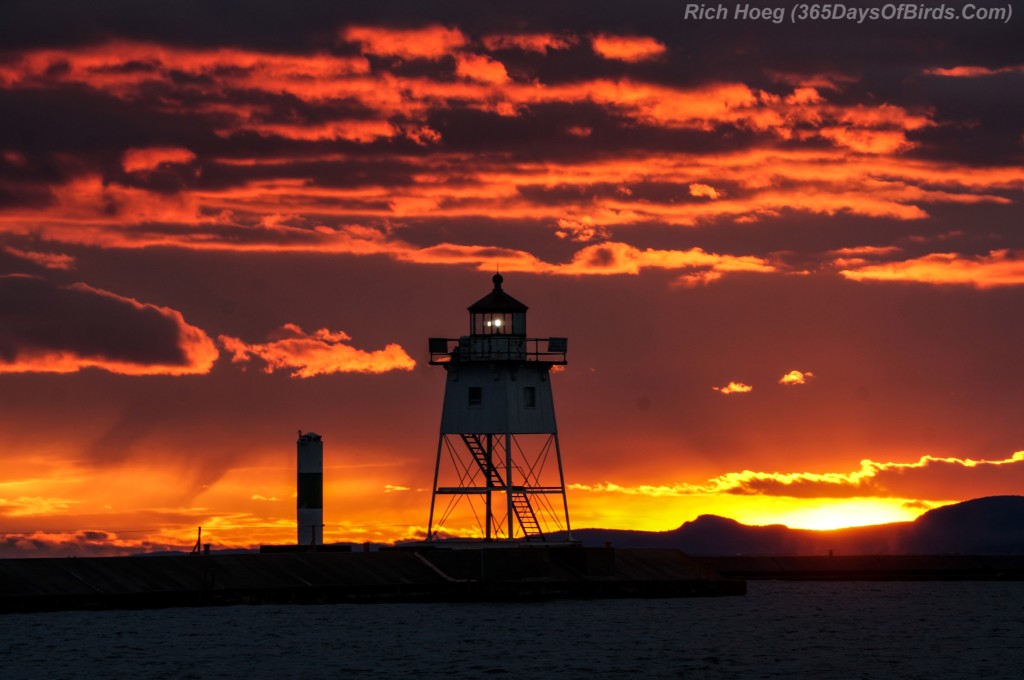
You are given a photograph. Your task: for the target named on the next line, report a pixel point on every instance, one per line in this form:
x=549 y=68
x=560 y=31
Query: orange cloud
x=998 y=268
x=320 y=353
x=796 y=378
x=430 y=42
x=150 y=158
x=627 y=48
x=734 y=388
x=704 y=190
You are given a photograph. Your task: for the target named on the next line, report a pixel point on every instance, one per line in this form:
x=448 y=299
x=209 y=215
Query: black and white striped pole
x=310 y=489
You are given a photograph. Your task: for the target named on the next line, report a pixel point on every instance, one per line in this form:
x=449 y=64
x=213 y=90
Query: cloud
x=796 y=378
x=734 y=388
x=627 y=48
x=357 y=146
x=45 y=327
x=321 y=353
x=282 y=122
x=998 y=268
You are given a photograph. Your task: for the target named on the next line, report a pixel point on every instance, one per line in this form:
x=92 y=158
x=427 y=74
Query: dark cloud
x=78 y=120
x=65 y=328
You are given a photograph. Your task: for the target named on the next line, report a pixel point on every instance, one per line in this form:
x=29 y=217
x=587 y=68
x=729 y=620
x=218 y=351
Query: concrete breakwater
x=408 y=575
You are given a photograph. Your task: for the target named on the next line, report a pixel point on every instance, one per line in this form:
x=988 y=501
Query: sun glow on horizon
x=829 y=514
x=670 y=511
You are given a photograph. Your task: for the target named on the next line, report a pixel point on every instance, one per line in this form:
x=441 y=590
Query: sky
x=788 y=256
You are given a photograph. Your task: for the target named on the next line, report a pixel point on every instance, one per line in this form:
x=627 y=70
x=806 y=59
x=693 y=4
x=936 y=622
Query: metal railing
x=497 y=348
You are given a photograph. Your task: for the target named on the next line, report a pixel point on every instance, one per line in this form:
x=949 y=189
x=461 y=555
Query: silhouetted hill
x=984 y=526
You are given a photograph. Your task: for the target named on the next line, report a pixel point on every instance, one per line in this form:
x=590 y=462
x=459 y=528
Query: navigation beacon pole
x=310 y=489
x=498 y=458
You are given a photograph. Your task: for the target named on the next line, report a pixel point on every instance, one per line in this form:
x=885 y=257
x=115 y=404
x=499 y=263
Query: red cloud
x=320 y=353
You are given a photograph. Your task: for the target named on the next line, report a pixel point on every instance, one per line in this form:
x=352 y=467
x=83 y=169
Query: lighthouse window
x=476 y=396
x=530 y=395
x=492 y=324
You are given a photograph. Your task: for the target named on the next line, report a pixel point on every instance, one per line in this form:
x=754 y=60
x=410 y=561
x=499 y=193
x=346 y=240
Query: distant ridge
x=983 y=526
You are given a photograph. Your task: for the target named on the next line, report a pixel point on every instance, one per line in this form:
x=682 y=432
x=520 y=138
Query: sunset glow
x=788 y=259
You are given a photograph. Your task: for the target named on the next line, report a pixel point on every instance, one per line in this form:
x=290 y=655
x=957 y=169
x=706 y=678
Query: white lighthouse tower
x=499 y=464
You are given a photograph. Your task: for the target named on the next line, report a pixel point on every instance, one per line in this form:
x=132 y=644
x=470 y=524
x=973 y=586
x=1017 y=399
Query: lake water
x=779 y=630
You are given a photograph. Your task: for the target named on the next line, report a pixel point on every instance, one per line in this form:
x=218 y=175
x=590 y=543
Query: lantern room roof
x=497 y=300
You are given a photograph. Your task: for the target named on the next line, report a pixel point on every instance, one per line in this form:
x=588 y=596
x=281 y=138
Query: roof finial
x=497 y=278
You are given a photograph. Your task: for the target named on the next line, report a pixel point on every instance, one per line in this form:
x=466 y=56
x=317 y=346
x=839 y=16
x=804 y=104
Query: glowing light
x=825 y=514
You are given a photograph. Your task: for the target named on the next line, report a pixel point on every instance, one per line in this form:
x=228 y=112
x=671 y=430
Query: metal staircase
x=479 y=451
x=521 y=505
x=526 y=516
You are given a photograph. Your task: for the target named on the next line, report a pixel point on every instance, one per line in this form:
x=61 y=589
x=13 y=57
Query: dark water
x=779 y=630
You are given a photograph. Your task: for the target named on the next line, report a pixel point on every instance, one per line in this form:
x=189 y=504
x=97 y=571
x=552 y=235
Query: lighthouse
x=499 y=464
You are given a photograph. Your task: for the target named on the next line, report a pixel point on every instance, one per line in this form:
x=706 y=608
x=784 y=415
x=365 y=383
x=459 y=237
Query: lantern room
x=498 y=313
